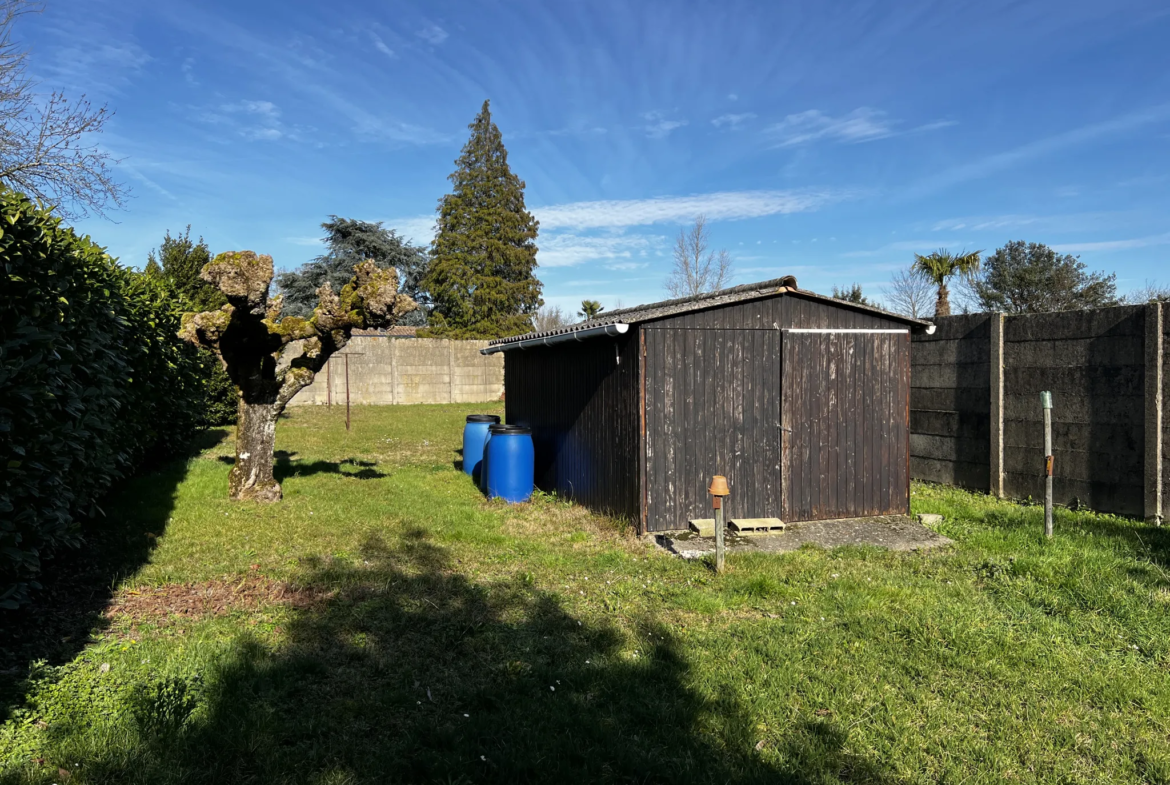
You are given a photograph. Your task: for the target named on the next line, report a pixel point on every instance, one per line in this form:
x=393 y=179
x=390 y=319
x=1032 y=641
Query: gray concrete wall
x=408 y=370
x=1101 y=367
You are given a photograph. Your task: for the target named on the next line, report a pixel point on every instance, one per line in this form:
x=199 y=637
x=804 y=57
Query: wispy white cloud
x=305 y=67
x=732 y=97
x=658 y=126
x=253 y=120
x=934 y=126
x=985 y=223
x=262 y=108
x=562 y=243
x=589 y=131
x=432 y=34
x=303 y=240
x=860 y=125
x=567 y=250
x=86 y=61
x=984 y=167
x=419 y=229
x=721 y=206
x=1115 y=245
x=188 y=69
x=914 y=246
x=733 y=121
x=381 y=46
x=1060 y=222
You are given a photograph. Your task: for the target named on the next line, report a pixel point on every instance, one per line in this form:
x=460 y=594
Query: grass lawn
x=385 y=623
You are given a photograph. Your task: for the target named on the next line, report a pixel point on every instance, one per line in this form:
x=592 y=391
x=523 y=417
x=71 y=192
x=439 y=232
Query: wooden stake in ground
x=346 y=356
x=1046 y=402
x=718 y=490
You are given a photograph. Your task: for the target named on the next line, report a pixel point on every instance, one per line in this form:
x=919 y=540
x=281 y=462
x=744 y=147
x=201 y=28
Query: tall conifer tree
x=481 y=277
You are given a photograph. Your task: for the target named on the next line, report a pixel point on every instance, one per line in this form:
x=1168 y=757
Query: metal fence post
x=1046 y=402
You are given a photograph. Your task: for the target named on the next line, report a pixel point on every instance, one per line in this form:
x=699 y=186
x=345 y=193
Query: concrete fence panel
x=389 y=370
x=976 y=419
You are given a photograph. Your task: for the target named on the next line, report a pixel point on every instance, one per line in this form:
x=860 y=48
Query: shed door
x=845 y=423
x=712 y=406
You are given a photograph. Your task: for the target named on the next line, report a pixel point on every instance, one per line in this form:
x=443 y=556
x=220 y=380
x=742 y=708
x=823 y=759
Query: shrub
x=221 y=402
x=92 y=380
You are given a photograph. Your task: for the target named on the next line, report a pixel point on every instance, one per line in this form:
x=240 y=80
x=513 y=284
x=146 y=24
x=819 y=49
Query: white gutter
x=617 y=328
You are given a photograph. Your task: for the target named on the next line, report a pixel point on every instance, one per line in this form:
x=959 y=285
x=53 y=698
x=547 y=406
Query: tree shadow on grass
x=397 y=668
x=286 y=466
x=78 y=584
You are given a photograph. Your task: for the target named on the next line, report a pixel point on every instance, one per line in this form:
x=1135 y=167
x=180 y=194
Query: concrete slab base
x=893 y=532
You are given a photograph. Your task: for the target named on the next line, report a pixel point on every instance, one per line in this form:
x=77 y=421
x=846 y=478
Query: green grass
x=390 y=625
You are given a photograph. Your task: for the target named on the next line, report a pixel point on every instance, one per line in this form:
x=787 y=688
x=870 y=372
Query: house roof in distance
x=701 y=302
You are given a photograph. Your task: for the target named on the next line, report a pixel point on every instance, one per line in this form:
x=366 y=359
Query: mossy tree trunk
x=251 y=477
x=249 y=336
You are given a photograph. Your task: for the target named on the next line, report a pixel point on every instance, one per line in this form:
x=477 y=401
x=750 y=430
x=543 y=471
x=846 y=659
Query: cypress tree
x=481 y=275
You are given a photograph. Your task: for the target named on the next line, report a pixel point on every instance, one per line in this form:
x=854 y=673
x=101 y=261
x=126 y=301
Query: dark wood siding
x=846 y=415
x=777 y=313
x=712 y=407
x=642 y=438
x=584 y=410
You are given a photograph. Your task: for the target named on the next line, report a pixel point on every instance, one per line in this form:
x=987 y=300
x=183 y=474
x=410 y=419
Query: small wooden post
x=346 y=356
x=719 y=547
x=1046 y=402
x=718 y=490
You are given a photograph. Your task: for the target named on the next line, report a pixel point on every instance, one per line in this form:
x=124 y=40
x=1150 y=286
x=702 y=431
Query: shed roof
x=701 y=302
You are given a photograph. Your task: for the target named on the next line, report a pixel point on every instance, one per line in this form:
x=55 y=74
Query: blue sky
x=829 y=140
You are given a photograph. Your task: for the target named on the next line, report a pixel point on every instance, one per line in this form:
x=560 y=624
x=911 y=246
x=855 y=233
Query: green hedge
x=92 y=380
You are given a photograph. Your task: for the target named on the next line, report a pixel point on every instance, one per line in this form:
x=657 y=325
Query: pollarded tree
x=481 y=277
x=249 y=336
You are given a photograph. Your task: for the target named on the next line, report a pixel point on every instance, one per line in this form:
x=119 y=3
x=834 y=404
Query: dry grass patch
x=183 y=603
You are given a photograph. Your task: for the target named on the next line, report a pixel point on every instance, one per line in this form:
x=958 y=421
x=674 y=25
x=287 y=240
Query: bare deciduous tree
x=697 y=269
x=249 y=335
x=45 y=148
x=550 y=317
x=910 y=293
x=1152 y=292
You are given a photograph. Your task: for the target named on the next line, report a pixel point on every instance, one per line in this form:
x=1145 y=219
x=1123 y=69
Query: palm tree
x=939 y=267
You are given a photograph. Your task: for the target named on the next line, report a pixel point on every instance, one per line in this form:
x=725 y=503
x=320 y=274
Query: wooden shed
x=802 y=401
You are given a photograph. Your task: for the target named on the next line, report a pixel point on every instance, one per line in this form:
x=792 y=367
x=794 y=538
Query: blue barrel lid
x=516 y=430
x=494 y=418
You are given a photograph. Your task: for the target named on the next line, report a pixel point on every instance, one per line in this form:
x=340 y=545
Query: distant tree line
x=1020 y=277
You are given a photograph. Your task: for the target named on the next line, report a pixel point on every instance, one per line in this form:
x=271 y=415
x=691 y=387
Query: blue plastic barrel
x=475 y=434
x=509 y=456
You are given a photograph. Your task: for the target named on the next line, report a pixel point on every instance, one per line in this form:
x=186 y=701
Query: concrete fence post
x=996 y=440
x=394 y=394
x=1154 y=413
x=450 y=371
